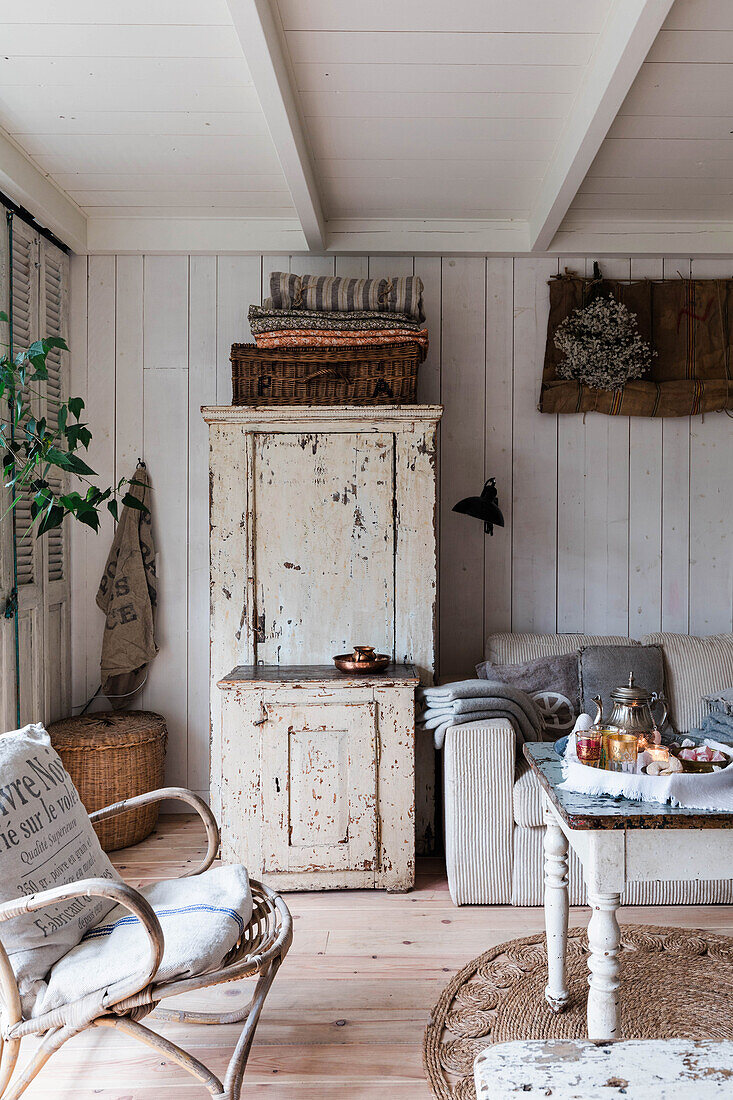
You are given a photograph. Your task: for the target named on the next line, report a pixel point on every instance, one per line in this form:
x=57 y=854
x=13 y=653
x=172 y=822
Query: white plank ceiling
x=428 y=109
x=142 y=109
x=417 y=117
x=670 y=151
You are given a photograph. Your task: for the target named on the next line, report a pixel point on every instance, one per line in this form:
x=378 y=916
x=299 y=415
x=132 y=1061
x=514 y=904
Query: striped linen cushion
x=339 y=294
x=515 y=649
x=694 y=667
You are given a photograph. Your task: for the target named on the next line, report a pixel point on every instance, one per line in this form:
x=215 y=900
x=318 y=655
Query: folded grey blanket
x=478 y=700
x=718 y=725
x=721 y=702
x=458 y=706
x=465 y=689
x=461 y=706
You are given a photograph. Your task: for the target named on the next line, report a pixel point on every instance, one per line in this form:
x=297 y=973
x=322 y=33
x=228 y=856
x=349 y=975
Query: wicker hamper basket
x=111 y=756
x=374 y=374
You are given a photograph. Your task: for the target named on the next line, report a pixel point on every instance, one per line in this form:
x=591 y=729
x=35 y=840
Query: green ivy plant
x=33 y=446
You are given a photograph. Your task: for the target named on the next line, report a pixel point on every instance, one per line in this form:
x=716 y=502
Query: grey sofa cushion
x=603 y=668
x=551 y=682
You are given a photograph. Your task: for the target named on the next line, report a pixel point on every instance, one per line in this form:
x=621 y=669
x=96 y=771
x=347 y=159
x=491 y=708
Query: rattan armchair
x=262 y=948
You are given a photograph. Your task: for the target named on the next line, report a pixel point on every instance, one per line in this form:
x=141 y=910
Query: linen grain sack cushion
x=46 y=839
x=203 y=918
x=552 y=682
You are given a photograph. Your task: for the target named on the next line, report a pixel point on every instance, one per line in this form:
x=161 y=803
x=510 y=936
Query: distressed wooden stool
x=635 y=1069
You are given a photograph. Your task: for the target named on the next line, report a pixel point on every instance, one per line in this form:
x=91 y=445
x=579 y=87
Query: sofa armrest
x=478 y=779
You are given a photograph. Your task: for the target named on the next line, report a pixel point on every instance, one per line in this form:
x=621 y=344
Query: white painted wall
x=612 y=524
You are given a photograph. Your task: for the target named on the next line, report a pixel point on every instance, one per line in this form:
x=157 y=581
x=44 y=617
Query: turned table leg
x=556 y=910
x=604 y=940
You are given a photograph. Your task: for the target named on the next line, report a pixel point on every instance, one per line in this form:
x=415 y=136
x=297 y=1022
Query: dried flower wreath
x=602 y=345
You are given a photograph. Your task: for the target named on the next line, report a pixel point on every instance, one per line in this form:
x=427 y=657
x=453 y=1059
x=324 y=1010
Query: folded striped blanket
x=266 y=319
x=334 y=292
x=309 y=339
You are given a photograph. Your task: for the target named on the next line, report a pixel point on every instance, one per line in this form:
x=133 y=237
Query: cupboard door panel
x=324 y=531
x=319 y=788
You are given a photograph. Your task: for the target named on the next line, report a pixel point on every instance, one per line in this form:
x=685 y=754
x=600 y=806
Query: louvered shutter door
x=7 y=637
x=25 y=330
x=25 y=276
x=54 y=282
x=40 y=281
x=53 y=264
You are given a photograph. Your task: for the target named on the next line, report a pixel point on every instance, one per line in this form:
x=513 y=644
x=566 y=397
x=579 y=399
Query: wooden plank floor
x=346 y=1014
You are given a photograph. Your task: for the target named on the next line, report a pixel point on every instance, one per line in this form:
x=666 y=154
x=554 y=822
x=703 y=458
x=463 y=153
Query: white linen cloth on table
x=696 y=791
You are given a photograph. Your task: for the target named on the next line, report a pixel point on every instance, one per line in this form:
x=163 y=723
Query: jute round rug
x=675 y=983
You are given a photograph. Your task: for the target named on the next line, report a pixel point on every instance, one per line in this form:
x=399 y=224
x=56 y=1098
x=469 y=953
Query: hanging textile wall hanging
x=680 y=332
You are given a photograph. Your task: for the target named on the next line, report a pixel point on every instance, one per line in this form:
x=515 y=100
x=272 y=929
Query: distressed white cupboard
x=318 y=776
x=322 y=536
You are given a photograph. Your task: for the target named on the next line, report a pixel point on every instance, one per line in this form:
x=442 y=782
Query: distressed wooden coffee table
x=616 y=841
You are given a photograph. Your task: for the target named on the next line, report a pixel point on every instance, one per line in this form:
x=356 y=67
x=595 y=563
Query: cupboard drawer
x=319 y=787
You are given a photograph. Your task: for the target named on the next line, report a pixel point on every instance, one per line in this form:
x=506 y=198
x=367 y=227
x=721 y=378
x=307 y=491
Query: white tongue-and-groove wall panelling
x=612 y=524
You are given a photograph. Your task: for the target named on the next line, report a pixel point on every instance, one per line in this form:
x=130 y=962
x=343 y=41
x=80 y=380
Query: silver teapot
x=632 y=709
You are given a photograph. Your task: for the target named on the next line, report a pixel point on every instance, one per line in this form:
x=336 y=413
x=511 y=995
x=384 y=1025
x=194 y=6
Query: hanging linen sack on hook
x=127 y=595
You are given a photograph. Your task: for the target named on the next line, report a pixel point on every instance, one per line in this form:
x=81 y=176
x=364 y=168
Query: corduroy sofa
x=492 y=804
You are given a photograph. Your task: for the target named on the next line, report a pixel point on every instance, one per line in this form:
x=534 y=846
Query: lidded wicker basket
x=372 y=374
x=111 y=756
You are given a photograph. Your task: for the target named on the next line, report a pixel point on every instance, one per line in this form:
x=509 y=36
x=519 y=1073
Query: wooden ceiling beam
x=27 y=186
x=622 y=46
x=263 y=49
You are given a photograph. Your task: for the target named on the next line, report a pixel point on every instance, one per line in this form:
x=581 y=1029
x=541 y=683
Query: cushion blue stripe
x=107 y=929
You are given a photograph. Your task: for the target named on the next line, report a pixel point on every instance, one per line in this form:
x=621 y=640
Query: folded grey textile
x=262 y=319
x=716 y=724
x=459 y=706
x=450 y=718
x=402 y=294
x=721 y=701
x=465 y=706
x=468 y=689
x=430 y=720
x=478 y=700
x=509 y=713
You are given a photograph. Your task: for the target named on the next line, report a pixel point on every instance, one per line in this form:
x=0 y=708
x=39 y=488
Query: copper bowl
x=362 y=660
x=702 y=767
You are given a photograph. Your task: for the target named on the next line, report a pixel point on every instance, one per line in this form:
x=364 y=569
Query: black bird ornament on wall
x=486 y=507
